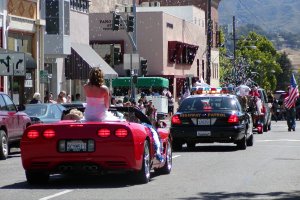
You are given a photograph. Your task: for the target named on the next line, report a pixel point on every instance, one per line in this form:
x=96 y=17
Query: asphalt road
x=268 y=170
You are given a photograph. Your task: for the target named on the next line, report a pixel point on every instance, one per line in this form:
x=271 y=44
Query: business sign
x=12 y=64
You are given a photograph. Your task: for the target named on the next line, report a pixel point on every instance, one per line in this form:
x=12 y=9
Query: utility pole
x=209 y=41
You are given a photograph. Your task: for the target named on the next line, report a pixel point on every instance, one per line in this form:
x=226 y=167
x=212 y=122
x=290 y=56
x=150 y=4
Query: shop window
x=52 y=16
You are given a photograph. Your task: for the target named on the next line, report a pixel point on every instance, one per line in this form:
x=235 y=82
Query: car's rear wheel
x=265 y=127
x=269 y=126
x=242 y=144
x=177 y=146
x=250 y=141
x=166 y=169
x=36 y=177
x=3 y=145
x=144 y=174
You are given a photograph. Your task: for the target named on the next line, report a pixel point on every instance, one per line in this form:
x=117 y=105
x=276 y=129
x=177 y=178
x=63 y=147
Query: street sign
x=133 y=59
x=43 y=76
x=12 y=64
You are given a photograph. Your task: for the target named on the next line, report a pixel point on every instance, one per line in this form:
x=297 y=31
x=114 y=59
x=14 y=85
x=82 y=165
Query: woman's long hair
x=96 y=77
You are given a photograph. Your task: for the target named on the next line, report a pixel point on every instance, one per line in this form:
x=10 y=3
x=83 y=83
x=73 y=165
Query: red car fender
x=140 y=134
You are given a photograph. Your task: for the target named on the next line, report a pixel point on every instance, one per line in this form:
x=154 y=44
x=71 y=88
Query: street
x=268 y=170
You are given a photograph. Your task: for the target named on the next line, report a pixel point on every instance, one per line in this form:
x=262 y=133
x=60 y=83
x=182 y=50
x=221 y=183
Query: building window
x=20 y=42
x=52 y=16
x=66 y=18
x=80 y=5
x=181 y=53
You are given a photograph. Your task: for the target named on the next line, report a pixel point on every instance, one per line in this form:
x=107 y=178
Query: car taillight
x=263 y=109
x=49 y=133
x=33 y=134
x=121 y=132
x=233 y=119
x=176 y=120
x=104 y=132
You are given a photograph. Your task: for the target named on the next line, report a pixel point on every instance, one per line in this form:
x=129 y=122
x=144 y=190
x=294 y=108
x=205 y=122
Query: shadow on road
x=82 y=182
x=247 y=195
x=213 y=148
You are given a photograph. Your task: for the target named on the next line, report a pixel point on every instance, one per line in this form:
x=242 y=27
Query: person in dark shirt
x=290 y=113
x=36 y=98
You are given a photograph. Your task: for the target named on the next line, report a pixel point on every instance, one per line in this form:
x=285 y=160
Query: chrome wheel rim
x=169 y=156
x=147 y=161
x=4 y=145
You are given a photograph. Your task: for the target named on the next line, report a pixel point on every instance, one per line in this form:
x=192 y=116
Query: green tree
x=257 y=56
x=283 y=79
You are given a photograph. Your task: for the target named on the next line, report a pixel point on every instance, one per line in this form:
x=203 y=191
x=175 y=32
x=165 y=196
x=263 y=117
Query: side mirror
x=21 y=107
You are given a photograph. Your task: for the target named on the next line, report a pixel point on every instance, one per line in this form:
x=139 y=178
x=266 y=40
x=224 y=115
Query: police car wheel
x=242 y=144
x=177 y=146
x=250 y=141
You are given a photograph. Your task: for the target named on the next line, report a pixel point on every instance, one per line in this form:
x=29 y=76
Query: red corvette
x=71 y=146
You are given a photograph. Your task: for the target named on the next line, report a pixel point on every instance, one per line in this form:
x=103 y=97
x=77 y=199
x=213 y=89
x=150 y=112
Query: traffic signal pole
x=134 y=41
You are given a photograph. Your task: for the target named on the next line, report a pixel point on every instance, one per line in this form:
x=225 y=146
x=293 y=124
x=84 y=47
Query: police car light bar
x=208 y=90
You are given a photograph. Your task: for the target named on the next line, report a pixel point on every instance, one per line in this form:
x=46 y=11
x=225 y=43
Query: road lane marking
x=176 y=156
x=56 y=195
x=279 y=140
x=67 y=191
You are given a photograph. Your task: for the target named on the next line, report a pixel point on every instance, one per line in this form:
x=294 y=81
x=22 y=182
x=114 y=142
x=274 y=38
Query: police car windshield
x=207 y=103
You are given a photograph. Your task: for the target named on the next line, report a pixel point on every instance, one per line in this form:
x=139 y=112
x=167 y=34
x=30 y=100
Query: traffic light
x=116 y=21
x=130 y=23
x=117 y=56
x=144 y=66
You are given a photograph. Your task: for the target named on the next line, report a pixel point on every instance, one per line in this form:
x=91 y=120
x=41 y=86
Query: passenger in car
x=97 y=96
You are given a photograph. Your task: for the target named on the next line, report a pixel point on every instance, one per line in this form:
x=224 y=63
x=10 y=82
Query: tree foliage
x=283 y=80
x=256 y=59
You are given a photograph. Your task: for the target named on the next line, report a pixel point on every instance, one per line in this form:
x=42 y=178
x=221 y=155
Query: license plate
x=203 y=133
x=204 y=122
x=76 y=146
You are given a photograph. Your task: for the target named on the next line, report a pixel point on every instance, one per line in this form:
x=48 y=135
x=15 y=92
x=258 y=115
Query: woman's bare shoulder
x=104 y=87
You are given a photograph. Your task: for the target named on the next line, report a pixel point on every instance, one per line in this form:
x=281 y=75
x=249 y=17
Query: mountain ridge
x=274 y=16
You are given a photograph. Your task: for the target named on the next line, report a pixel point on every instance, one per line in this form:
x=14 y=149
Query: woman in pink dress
x=97 y=96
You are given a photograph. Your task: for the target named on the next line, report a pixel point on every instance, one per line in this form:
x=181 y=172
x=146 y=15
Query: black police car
x=208 y=118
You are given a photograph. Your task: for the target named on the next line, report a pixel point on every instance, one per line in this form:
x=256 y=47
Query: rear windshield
x=208 y=103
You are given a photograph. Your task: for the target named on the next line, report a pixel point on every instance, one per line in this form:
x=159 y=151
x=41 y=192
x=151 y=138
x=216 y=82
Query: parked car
x=267 y=119
x=80 y=105
x=44 y=113
x=94 y=147
x=209 y=118
x=13 y=122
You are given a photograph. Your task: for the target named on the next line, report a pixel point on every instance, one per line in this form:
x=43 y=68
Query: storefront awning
x=142 y=82
x=82 y=59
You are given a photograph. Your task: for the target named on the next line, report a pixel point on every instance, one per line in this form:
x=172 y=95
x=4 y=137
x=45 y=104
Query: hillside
x=274 y=16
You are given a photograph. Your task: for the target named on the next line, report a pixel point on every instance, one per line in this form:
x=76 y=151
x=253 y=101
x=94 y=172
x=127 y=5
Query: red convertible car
x=77 y=146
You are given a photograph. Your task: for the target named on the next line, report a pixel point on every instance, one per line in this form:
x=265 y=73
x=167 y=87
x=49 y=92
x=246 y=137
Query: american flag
x=293 y=94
